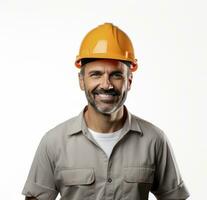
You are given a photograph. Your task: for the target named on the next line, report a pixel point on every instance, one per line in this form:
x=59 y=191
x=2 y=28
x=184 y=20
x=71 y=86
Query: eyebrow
x=95 y=72
x=100 y=72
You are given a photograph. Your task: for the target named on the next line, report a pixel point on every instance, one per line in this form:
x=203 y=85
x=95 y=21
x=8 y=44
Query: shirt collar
x=78 y=124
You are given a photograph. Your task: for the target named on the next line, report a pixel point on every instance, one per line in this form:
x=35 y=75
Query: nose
x=106 y=83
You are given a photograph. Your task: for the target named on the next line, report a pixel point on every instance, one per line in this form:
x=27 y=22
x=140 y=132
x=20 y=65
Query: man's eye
x=117 y=75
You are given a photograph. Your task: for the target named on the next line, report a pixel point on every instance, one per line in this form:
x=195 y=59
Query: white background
x=39 y=87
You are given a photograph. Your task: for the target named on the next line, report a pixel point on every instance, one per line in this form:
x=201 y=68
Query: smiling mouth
x=106 y=98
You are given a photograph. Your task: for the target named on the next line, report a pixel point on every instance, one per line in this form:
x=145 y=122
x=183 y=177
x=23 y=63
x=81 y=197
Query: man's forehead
x=106 y=64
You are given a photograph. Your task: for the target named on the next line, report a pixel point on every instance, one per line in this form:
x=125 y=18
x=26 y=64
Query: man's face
x=106 y=83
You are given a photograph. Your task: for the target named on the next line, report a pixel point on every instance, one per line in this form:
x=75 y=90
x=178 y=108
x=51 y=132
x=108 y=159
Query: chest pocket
x=78 y=184
x=77 y=177
x=137 y=182
x=138 y=175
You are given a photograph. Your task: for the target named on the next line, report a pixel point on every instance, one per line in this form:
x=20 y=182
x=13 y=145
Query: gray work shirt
x=70 y=162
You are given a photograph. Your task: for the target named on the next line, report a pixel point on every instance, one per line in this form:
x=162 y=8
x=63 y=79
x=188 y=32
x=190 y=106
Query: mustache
x=112 y=92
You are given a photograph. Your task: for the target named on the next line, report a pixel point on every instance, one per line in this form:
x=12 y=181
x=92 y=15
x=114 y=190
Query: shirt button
x=109 y=180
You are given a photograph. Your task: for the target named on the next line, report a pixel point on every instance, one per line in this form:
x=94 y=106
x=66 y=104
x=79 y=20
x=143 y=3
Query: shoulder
x=64 y=126
x=55 y=140
x=59 y=133
x=148 y=129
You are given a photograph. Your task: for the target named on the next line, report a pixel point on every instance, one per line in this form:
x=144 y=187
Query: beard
x=106 y=101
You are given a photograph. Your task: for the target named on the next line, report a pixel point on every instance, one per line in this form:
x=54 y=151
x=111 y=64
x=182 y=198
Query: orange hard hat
x=107 y=42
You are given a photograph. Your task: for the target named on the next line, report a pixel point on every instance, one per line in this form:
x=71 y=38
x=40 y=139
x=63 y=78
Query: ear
x=130 y=80
x=81 y=81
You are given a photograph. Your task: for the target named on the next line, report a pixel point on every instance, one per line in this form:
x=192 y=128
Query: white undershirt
x=106 y=141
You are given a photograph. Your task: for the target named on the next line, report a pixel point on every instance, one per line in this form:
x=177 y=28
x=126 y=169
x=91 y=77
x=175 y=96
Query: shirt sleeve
x=168 y=183
x=40 y=181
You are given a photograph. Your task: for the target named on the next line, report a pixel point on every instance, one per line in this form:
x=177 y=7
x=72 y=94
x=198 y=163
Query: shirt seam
x=43 y=186
x=174 y=189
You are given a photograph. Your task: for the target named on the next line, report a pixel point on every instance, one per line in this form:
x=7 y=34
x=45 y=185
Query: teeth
x=105 y=95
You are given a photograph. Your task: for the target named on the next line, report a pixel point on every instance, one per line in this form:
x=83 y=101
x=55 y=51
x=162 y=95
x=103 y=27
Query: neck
x=104 y=123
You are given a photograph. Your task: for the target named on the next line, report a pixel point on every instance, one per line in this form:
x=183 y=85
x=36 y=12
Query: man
x=105 y=152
